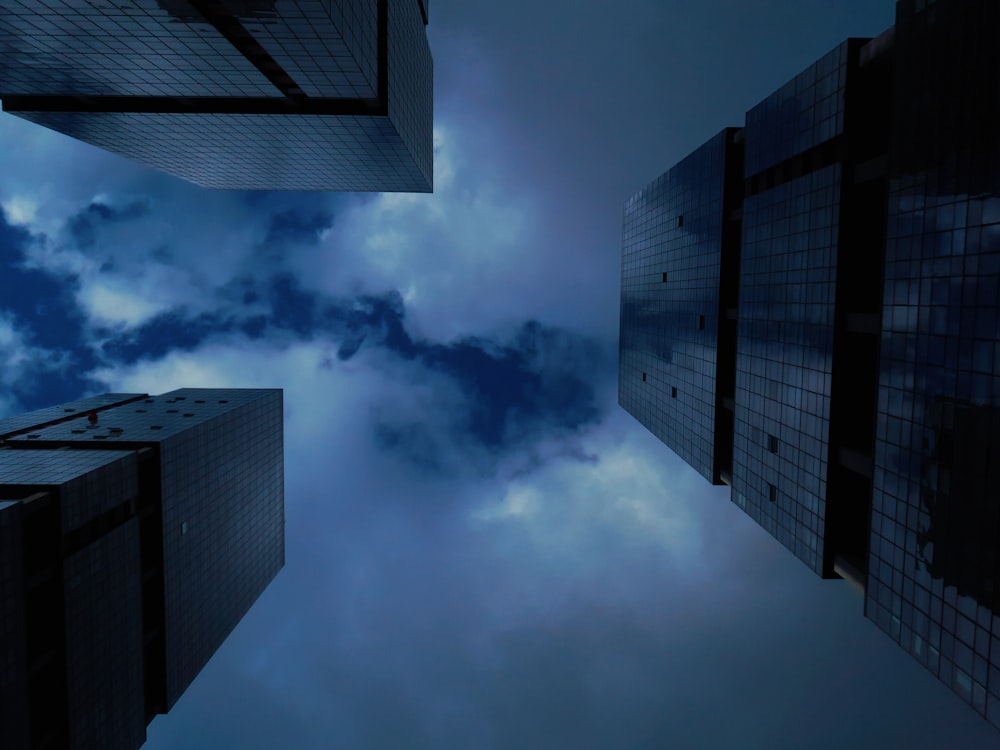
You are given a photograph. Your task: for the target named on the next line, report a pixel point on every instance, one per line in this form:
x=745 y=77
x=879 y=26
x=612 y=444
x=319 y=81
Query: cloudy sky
x=483 y=550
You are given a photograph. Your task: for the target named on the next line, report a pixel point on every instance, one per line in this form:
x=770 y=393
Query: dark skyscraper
x=240 y=94
x=135 y=533
x=863 y=284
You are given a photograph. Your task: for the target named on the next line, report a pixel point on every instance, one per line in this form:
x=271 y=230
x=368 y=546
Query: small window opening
x=701 y=322
x=772 y=443
x=156 y=427
x=673 y=392
x=663 y=277
x=772 y=493
x=644 y=377
x=680 y=220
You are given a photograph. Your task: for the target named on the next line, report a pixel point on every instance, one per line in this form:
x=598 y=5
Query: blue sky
x=483 y=550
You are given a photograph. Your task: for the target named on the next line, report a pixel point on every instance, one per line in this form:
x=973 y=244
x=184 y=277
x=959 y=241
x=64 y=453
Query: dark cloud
x=290 y=225
x=515 y=388
x=84 y=226
x=165 y=333
x=43 y=309
x=41 y=299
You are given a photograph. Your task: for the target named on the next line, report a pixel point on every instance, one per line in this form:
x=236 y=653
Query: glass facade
x=934 y=564
x=784 y=359
x=282 y=95
x=672 y=247
x=140 y=48
x=803 y=113
x=329 y=48
x=146 y=528
x=866 y=431
x=253 y=151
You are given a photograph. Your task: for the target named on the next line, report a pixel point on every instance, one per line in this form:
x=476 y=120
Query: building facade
x=679 y=241
x=865 y=433
x=235 y=94
x=137 y=532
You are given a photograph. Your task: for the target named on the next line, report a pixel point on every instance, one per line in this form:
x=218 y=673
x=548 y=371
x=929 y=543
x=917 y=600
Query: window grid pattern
x=92 y=481
x=934 y=572
x=411 y=86
x=223 y=526
x=119 y=49
x=328 y=47
x=663 y=345
x=783 y=359
x=222 y=504
x=104 y=675
x=803 y=113
x=253 y=151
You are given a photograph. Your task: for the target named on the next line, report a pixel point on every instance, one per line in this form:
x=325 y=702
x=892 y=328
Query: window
x=680 y=220
x=772 y=443
x=701 y=322
x=772 y=493
x=673 y=392
x=664 y=277
x=644 y=377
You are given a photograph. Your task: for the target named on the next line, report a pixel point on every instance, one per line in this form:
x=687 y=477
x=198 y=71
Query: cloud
x=449 y=408
x=115 y=304
x=22 y=362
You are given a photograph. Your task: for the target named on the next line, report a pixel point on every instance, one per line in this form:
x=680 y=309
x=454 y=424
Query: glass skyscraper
x=862 y=288
x=239 y=94
x=135 y=533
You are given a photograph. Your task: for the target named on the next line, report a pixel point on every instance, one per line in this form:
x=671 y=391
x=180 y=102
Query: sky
x=483 y=550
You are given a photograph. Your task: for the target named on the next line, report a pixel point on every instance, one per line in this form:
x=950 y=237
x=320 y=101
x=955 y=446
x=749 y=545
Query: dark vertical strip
x=229 y=26
x=150 y=509
x=729 y=284
x=854 y=375
x=45 y=623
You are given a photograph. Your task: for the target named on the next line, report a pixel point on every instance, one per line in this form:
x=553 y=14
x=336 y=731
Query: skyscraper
x=240 y=94
x=862 y=286
x=135 y=533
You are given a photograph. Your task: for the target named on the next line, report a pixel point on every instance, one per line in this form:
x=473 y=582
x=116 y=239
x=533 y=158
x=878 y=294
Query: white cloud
x=19 y=209
x=110 y=303
x=624 y=486
x=455 y=254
